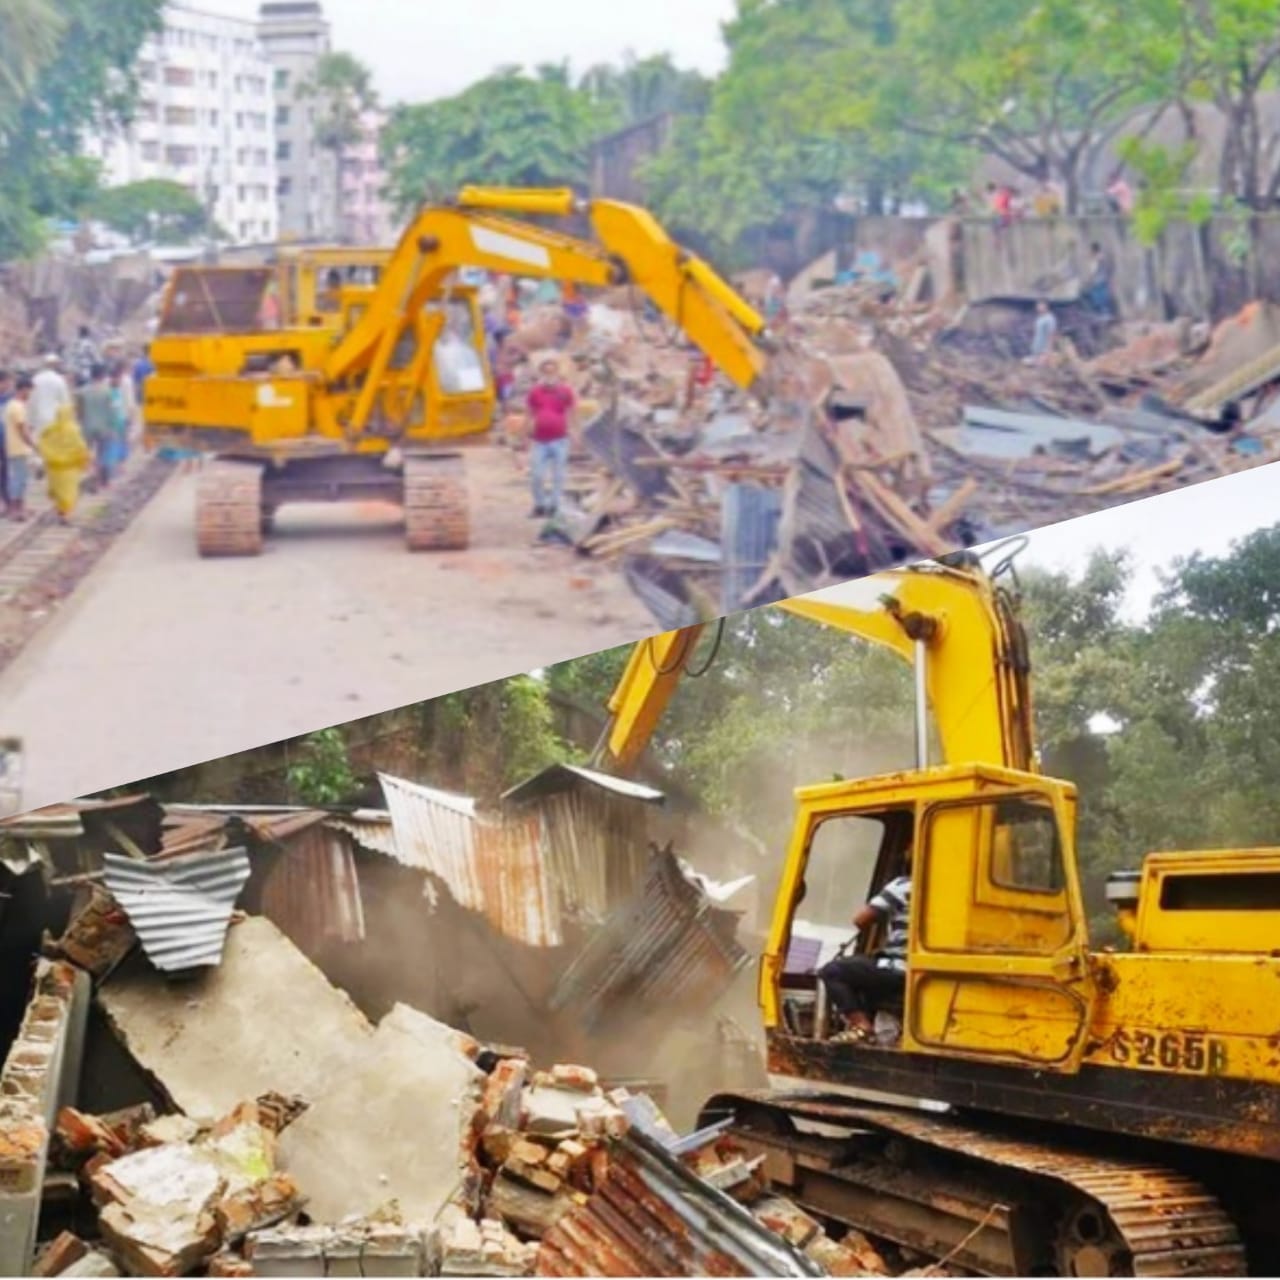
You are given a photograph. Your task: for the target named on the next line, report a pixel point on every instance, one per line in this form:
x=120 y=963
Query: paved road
x=160 y=659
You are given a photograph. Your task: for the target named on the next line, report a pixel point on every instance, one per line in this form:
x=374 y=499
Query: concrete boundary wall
x=39 y=1076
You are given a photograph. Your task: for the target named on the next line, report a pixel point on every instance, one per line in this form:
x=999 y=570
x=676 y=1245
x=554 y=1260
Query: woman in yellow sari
x=66 y=459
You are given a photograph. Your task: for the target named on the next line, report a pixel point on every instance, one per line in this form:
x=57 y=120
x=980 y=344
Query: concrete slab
x=265 y=1019
x=394 y=1123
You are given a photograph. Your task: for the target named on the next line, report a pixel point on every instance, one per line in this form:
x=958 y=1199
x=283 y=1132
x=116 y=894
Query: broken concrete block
x=567 y=1075
x=95 y=1265
x=486 y=1248
x=278 y=1112
x=598 y=1120
x=159 y=1213
x=528 y=1210
x=550 y=1111
x=60 y=1253
x=166 y=1129
x=502 y=1090
x=290 y=1251
x=395 y=1251
x=395 y=1122
x=266 y=1019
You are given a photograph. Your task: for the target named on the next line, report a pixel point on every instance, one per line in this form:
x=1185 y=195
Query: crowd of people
x=73 y=420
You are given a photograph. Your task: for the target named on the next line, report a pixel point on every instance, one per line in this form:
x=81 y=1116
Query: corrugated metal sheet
x=370 y=828
x=63 y=821
x=652 y=1216
x=749 y=516
x=497 y=868
x=666 y=948
x=180 y=907
x=312 y=891
x=562 y=777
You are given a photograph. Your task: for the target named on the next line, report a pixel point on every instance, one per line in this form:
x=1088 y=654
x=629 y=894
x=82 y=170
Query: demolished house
x=894 y=423
x=188 y=1092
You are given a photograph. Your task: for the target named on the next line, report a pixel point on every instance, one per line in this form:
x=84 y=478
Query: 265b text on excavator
x=1049 y=1107
x=370 y=396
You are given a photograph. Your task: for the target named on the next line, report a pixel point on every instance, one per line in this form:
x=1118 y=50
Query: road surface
x=160 y=659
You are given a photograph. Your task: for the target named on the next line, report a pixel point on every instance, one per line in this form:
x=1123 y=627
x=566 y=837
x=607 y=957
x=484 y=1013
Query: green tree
x=510 y=129
x=155 y=207
x=321 y=774
x=342 y=88
x=1029 y=82
x=1230 y=54
x=641 y=89
x=29 y=35
x=77 y=67
x=795 y=121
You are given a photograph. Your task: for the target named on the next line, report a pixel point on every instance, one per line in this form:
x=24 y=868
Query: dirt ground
x=159 y=659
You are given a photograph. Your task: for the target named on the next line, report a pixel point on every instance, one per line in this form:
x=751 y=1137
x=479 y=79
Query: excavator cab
x=997 y=962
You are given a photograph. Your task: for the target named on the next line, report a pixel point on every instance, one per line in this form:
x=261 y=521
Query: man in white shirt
x=49 y=394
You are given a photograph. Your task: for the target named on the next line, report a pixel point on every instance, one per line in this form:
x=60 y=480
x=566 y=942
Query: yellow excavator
x=1047 y=1107
x=311 y=385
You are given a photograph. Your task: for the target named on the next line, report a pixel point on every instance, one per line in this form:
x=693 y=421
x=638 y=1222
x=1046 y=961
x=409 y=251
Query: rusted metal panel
x=180 y=907
x=370 y=828
x=497 y=868
x=653 y=1217
x=666 y=947
x=313 y=893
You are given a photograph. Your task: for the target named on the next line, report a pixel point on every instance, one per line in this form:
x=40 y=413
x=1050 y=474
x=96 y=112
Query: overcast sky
x=422 y=49
x=1206 y=517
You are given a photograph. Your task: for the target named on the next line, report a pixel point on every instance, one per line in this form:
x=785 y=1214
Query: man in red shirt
x=550 y=403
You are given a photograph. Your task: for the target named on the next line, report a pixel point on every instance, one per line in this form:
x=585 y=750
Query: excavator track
x=436 y=510
x=993 y=1204
x=229 y=514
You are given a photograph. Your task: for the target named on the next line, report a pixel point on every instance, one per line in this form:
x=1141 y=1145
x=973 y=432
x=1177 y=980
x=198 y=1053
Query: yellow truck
x=328 y=378
x=1049 y=1107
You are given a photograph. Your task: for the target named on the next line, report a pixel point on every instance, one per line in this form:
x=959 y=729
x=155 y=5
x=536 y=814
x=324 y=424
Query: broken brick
x=80 y=1133
x=228 y=1264
x=59 y=1254
x=502 y=1091
x=854 y=1255
x=787 y=1220
x=98 y=937
x=566 y=1075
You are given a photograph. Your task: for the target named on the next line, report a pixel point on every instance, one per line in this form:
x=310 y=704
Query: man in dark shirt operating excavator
x=858 y=985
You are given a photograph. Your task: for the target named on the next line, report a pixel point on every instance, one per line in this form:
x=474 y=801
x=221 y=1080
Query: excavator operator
x=860 y=985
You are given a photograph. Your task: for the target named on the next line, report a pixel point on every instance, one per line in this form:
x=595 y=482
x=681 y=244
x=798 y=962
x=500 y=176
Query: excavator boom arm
x=953 y=620
x=476 y=231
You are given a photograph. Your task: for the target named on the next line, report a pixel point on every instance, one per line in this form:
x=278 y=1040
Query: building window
x=239 y=119
x=284 y=150
x=151 y=151
x=211 y=79
x=284 y=187
x=214 y=155
x=282 y=115
x=180 y=115
x=180 y=155
x=147 y=110
x=282 y=78
x=242 y=194
x=182 y=77
x=260 y=157
x=213 y=117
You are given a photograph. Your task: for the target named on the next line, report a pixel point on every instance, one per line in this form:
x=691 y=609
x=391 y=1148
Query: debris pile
x=886 y=429
x=282 y=1133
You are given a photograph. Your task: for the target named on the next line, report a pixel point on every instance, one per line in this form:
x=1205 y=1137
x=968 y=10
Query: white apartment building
x=294 y=35
x=205 y=117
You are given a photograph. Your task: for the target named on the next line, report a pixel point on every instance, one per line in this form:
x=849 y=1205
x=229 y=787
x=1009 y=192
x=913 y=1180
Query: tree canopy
x=155 y=208
x=67 y=66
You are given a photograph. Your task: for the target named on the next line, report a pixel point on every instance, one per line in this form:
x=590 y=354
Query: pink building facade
x=367 y=217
